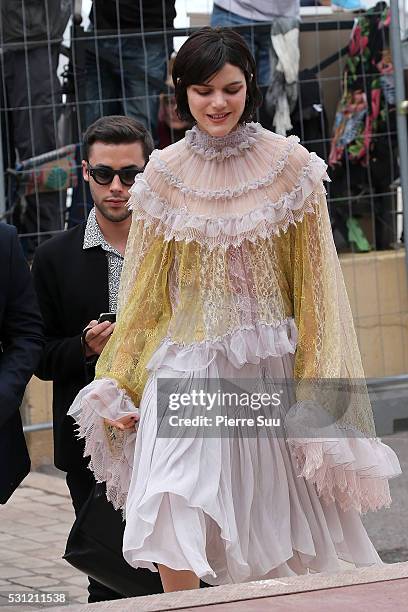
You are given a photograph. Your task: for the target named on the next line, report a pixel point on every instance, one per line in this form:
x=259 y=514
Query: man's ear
x=85 y=174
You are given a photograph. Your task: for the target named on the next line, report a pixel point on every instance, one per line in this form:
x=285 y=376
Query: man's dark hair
x=203 y=54
x=117 y=129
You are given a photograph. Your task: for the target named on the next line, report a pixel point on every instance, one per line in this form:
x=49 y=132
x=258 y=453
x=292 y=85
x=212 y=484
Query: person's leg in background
x=80 y=484
x=226 y=19
x=142 y=87
x=262 y=44
x=102 y=85
x=34 y=96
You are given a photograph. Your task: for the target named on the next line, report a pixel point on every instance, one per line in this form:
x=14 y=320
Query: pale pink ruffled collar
x=235 y=143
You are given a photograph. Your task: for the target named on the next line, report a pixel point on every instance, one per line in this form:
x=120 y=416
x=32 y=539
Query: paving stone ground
x=34 y=525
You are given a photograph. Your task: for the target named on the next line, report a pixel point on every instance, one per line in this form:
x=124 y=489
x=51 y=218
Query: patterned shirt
x=93 y=237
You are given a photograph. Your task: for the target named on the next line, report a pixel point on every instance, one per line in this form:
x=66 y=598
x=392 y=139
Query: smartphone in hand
x=107 y=316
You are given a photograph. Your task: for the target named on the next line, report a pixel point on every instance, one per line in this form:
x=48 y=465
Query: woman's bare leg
x=177 y=580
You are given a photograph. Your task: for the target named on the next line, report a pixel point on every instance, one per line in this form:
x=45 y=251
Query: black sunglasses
x=104 y=175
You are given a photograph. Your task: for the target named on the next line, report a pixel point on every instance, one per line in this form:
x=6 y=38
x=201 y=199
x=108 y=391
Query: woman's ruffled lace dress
x=231 y=273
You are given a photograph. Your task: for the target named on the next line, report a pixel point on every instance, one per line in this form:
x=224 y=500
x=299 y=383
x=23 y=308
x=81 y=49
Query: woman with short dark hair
x=255 y=450
x=205 y=55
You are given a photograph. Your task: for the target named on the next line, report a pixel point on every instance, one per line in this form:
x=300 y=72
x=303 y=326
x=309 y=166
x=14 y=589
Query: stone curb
x=248 y=591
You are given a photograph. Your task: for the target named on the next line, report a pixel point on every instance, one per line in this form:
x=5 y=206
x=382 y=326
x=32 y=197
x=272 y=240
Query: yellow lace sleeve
x=144 y=311
x=327 y=349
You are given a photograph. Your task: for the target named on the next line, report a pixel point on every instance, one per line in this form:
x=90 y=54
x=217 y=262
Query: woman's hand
x=126 y=422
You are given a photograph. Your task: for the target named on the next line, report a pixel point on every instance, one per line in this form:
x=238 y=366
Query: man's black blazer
x=72 y=289
x=21 y=341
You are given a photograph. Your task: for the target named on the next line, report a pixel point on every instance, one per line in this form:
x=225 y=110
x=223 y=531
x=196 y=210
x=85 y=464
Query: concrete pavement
x=34 y=525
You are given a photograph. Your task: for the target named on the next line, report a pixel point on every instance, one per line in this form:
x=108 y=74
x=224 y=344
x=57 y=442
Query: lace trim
x=274 y=217
x=246 y=344
x=228 y=192
x=260 y=325
x=110 y=451
x=353 y=472
x=234 y=144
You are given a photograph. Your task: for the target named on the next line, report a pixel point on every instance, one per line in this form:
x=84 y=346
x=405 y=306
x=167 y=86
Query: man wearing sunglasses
x=76 y=275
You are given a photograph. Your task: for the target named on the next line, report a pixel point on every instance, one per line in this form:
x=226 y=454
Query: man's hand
x=97 y=336
x=125 y=422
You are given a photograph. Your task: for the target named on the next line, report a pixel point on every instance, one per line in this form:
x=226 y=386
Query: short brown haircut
x=117 y=129
x=203 y=54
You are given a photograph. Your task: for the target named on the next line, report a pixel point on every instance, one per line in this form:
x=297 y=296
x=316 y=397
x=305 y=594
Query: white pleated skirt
x=232 y=509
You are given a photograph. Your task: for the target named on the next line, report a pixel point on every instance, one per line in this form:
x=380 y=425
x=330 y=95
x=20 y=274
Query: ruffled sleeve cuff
x=110 y=450
x=345 y=466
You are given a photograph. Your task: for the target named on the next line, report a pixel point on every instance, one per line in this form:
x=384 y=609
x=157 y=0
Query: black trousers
x=80 y=484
